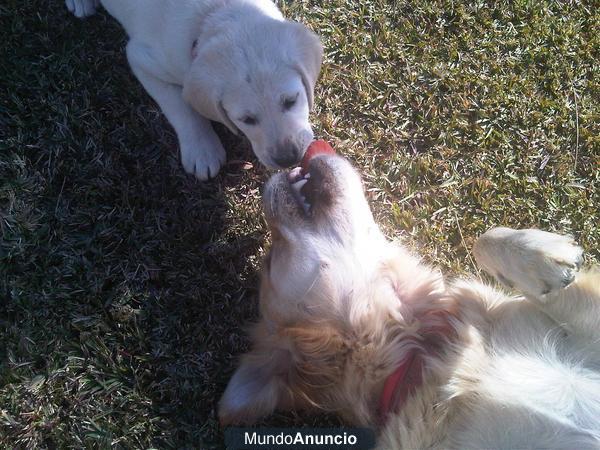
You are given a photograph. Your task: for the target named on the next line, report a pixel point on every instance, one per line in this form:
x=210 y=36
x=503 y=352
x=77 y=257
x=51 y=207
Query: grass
x=126 y=285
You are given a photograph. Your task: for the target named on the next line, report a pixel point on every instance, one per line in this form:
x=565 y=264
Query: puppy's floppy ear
x=203 y=84
x=259 y=385
x=305 y=54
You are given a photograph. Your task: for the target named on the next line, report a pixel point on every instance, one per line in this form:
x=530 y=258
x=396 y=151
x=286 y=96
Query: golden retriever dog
x=354 y=324
x=238 y=62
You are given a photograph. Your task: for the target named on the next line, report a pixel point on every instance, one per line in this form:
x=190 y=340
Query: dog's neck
x=400 y=384
x=435 y=331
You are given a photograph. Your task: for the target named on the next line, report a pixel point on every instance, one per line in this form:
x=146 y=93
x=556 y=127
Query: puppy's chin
x=262 y=153
x=267 y=161
x=268 y=155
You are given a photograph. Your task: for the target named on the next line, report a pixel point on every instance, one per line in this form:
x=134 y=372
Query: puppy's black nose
x=287 y=155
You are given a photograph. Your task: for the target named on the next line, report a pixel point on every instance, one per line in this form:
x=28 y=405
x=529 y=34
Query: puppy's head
x=257 y=76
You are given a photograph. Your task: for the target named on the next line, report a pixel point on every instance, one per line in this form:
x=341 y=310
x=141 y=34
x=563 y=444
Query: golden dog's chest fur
x=514 y=379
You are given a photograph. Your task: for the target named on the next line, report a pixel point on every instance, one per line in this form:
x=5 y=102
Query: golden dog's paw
x=532 y=261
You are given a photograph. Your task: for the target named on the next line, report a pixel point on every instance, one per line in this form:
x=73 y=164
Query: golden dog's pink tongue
x=316 y=148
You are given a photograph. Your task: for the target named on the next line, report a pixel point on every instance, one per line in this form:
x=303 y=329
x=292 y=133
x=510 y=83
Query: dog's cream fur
x=342 y=308
x=237 y=62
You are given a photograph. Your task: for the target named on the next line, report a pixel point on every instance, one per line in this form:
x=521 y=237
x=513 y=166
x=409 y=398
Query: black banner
x=299 y=438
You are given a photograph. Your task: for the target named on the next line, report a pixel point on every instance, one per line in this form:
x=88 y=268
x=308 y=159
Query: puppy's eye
x=249 y=120
x=289 y=102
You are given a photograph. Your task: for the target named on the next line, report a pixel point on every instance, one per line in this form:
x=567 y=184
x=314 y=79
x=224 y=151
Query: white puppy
x=238 y=62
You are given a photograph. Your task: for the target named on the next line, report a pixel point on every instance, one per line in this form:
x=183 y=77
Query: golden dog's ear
x=319 y=358
x=203 y=83
x=295 y=367
x=259 y=385
x=305 y=54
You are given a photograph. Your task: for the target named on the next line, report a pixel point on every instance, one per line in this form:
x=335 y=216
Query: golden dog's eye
x=249 y=120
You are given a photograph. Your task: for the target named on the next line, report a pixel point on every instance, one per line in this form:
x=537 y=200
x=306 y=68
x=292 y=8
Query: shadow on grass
x=125 y=282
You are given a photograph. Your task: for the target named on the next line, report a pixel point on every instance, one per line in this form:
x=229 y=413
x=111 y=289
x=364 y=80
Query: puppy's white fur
x=342 y=308
x=237 y=62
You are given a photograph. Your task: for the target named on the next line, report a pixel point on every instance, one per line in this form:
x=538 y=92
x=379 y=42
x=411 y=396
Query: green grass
x=125 y=284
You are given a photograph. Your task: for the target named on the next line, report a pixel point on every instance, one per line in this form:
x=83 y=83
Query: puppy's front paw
x=82 y=8
x=203 y=159
x=532 y=261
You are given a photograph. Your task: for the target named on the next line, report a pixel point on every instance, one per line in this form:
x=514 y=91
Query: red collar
x=402 y=382
x=436 y=331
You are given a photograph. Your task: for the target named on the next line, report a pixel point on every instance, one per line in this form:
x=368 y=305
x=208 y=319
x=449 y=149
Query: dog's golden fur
x=342 y=308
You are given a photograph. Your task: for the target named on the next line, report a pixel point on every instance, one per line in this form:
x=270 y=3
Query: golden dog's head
x=338 y=301
x=324 y=239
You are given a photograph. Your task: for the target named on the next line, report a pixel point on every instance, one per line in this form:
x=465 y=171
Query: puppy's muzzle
x=287 y=154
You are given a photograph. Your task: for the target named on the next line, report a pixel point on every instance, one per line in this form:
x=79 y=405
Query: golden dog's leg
x=577 y=307
x=544 y=267
x=533 y=262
